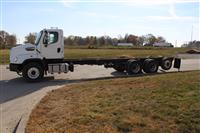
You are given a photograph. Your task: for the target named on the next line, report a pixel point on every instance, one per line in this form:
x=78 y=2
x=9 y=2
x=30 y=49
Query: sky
x=176 y=20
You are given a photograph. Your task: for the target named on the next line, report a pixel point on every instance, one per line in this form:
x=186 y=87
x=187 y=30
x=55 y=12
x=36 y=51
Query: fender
x=38 y=60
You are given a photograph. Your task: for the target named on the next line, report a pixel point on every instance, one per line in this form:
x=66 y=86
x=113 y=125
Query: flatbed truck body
x=47 y=55
x=99 y=61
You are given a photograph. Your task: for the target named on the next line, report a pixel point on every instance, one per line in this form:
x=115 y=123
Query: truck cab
x=49 y=45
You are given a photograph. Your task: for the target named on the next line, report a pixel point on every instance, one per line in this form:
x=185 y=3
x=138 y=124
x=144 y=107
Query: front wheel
x=32 y=72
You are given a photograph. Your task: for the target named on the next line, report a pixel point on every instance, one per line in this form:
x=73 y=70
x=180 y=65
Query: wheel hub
x=153 y=67
x=167 y=64
x=135 y=68
x=33 y=73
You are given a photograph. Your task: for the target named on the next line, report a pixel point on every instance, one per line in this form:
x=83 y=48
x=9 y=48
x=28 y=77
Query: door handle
x=58 y=50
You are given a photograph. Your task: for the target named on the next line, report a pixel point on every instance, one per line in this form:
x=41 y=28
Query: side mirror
x=46 y=39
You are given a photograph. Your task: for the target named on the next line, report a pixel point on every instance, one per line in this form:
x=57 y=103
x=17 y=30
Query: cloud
x=142 y=2
x=99 y=15
x=170 y=18
x=149 y=2
x=158 y=2
x=66 y=3
x=172 y=12
x=90 y=14
x=172 y=15
x=70 y=3
x=170 y=3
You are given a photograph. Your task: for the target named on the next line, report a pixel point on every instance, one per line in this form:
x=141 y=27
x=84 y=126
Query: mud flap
x=71 y=67
x=177 y=63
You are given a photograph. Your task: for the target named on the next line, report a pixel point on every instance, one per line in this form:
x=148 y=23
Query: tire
x=133 y=67
x=166 y=63
x=119 y=67
x=32 y=72
x=150 y=66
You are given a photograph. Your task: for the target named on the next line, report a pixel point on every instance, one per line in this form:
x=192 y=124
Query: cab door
x=51 y=47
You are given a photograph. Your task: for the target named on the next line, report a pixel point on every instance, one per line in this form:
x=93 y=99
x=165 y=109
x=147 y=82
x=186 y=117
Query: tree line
x=192 y=44
x=92 y=41
x=9 y=40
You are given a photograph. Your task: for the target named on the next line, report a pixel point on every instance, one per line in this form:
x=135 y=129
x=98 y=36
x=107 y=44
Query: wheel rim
x=153 y=67
x=33 y=73
x=167 y=64
x=135 y=68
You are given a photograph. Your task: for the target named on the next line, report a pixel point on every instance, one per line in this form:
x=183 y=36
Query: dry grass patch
x=159 y=103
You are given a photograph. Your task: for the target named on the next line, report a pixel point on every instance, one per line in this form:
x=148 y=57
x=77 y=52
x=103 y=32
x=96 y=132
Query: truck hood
x=23 y=46
x=22 y=49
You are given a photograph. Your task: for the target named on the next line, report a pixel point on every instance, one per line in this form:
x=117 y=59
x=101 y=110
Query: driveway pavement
x=18 y=98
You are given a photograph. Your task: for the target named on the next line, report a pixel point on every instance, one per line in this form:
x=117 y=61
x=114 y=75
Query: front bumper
x=15 y=67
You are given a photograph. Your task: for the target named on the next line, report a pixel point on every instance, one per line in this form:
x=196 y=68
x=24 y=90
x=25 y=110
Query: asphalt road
x=18 y=98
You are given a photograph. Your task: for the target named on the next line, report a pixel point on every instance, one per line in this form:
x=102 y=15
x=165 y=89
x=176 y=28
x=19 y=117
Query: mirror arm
x=37 y=50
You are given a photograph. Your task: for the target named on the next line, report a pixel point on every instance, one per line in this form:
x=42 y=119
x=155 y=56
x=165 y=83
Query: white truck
x=32 y=61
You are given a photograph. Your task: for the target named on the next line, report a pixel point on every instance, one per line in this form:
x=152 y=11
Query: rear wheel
x=150 y=66
x=133 y=67
x=166 y=63
x=33 y=72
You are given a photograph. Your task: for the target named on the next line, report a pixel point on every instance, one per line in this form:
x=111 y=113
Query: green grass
x=108 y=52
x=4 y=56
x=158 y=103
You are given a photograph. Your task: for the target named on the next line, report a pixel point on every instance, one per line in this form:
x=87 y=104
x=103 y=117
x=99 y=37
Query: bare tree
x=150 y=39
x=30 y=38
x=141 y=40
x=11 y=41
x=160 y=39
x=7 y=40
x=132 y=39
x=192 y=44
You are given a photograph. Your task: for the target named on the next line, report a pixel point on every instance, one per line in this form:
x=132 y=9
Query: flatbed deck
x=100 y=61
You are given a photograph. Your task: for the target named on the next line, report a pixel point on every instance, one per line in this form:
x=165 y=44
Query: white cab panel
x=55 y=47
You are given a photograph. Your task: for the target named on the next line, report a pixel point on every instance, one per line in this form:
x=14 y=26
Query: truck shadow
x=15 y=88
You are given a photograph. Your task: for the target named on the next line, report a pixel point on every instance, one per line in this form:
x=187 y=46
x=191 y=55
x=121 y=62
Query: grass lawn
x=4 y=56
x=157 y=103
x=109 y=53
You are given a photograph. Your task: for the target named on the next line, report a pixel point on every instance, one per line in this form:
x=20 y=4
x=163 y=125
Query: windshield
x=38 y=38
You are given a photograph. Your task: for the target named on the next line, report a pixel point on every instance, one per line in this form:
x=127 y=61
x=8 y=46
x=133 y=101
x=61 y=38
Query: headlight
x=15 y=59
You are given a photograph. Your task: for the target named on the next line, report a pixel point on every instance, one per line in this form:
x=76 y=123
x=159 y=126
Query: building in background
x=124 y=44
x=162 y=44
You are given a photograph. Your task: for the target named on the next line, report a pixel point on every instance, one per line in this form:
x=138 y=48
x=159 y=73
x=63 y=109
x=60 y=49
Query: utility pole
x=175 y=43
x=18 y=41
x=192 y=33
